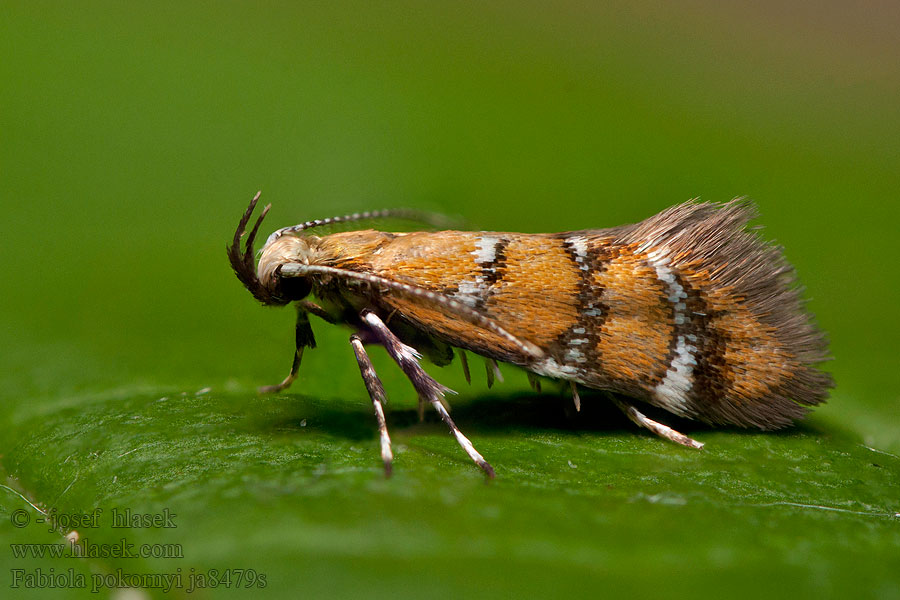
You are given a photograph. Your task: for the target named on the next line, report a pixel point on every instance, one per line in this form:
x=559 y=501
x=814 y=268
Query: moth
x=690 y=310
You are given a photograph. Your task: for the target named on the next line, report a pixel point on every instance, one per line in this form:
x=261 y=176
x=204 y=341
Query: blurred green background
x=131 y=138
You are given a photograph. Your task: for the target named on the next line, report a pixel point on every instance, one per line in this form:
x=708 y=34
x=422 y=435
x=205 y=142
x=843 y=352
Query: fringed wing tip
x=736 y=264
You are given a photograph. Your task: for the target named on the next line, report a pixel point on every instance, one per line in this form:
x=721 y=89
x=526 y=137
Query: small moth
x=690 y=310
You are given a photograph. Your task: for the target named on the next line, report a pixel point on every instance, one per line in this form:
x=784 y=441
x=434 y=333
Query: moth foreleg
x=303 y=338
x=408 y=360
x=656 y=427
x=376 y=392
x=315 y=309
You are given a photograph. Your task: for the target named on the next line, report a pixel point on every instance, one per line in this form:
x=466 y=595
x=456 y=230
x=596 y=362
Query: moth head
x=282 y=249
x=265 y=281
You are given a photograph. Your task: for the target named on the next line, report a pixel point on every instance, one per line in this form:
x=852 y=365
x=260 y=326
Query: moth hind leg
x=664 y=431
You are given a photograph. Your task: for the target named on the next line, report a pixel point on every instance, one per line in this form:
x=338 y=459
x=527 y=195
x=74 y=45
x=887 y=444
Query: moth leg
x=376 y=392
x=464 y=361
x=315 y=309
x=303 y=337
x=421 y=407
x=656 y=427
x=533 y=381
x=492 y=369
x=426 y=386
x=577 y=398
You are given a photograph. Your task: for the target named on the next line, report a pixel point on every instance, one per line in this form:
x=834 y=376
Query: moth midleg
x=656 y=427
x=463 y=440
x=303 y=338
x=376 y=392
x=408 y=360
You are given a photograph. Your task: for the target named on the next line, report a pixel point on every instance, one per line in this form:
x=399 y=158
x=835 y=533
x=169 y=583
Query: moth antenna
x=242 y=262
x=457 y=308
x=435 y=220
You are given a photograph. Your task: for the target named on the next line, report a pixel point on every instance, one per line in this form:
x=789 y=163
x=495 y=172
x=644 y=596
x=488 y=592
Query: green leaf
x=291 y=487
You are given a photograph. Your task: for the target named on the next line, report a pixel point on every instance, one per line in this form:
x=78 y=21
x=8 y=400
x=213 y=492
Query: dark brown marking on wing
x=493 y=271
x=588 y=259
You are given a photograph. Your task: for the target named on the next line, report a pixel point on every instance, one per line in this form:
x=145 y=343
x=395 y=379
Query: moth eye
x=295 y=288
